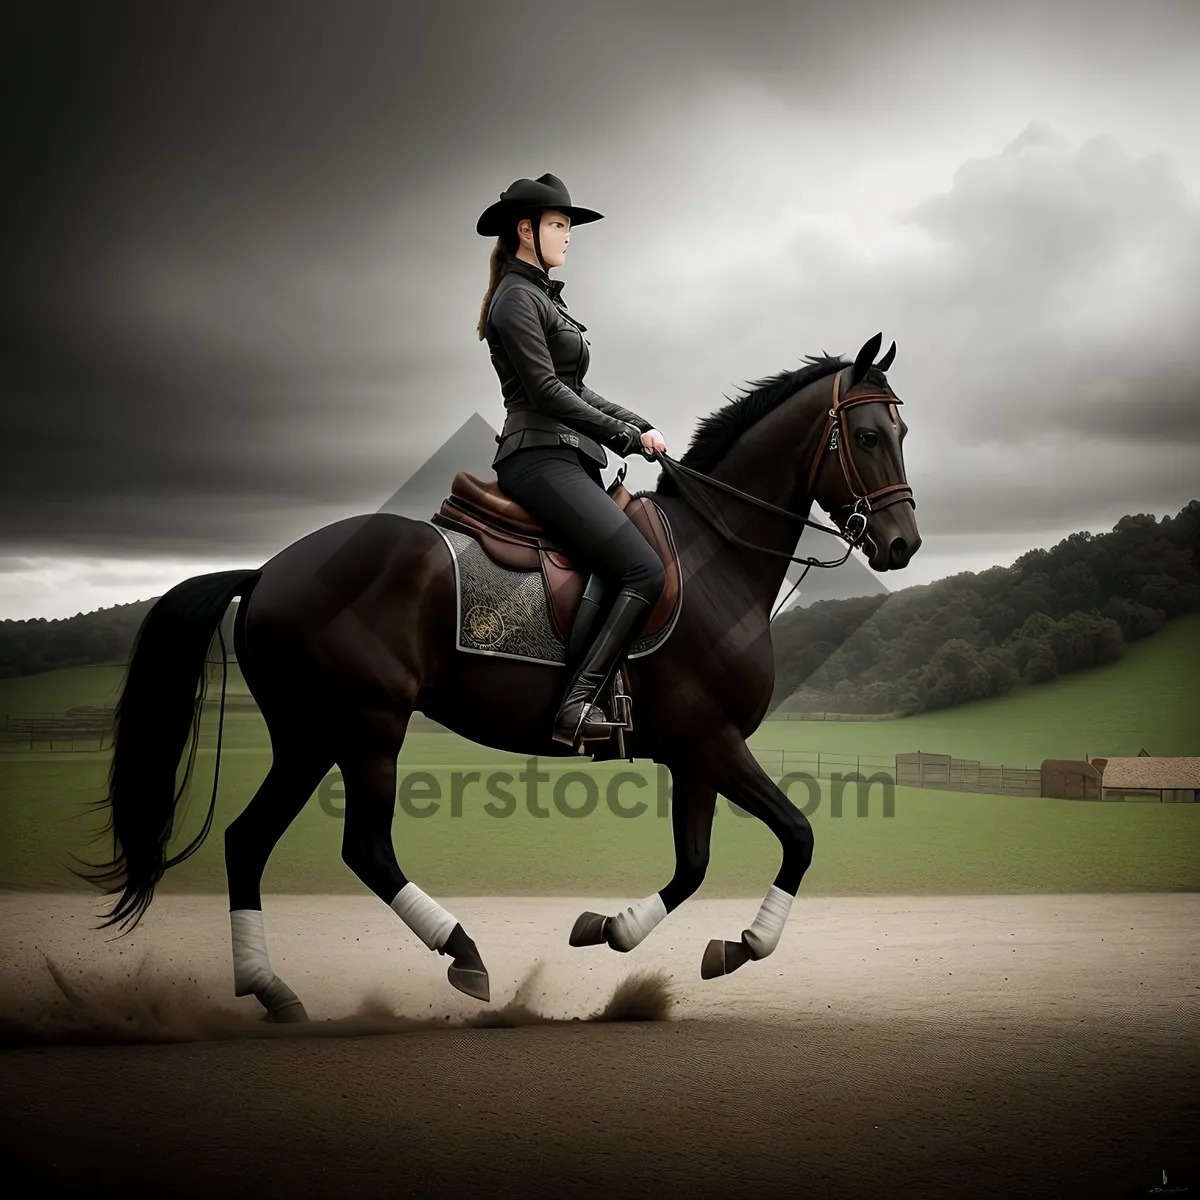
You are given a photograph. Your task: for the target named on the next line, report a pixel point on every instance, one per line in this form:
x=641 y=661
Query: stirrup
x=622 y=701
x=623 y=707
x=592 y=715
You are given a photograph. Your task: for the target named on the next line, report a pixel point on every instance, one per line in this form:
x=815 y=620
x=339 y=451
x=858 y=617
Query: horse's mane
x=717 y=432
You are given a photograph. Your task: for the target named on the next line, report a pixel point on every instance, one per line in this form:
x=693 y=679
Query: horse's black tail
x=161 y=699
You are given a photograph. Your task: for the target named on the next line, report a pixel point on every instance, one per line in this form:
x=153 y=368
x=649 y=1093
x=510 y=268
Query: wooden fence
x=82 y=728
x=86 y=728
x=787 y=715
x=820 y=765
x=966 y=775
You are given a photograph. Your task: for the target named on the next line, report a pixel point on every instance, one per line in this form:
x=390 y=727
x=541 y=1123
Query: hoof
x=723 y=958
x=466 y=971
x=287 y=1014
x=282 y=1004
x=473 y=981
x=589 y=930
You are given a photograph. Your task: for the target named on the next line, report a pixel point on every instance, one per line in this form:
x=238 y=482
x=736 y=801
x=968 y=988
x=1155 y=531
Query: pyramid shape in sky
x=470 y=448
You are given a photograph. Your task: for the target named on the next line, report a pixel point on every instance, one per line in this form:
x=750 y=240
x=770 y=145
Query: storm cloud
x=241 y=277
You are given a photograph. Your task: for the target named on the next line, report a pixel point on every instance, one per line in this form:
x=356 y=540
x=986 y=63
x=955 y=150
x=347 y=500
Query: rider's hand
x=653 y=440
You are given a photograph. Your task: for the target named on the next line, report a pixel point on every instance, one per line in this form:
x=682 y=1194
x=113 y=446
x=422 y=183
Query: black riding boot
x=579 y=717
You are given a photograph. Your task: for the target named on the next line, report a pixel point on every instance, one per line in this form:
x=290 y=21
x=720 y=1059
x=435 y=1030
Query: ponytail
x=495 y=270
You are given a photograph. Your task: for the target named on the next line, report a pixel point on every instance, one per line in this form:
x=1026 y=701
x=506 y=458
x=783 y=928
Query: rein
x=834 y=438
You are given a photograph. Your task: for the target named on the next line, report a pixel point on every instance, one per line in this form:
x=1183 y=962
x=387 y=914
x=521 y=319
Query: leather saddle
x=512 y=537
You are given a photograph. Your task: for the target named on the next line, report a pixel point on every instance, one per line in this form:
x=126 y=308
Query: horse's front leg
x=693 y=802
x=739 y=777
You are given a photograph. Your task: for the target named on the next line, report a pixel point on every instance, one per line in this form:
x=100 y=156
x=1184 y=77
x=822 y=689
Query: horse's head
x=857 y=474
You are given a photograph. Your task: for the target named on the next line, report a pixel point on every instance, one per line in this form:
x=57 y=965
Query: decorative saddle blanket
x=518 y=594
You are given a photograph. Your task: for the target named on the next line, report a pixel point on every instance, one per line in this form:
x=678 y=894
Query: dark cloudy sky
x=241 y=277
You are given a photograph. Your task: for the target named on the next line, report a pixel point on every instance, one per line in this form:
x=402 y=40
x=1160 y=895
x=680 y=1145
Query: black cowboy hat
x=546 y=191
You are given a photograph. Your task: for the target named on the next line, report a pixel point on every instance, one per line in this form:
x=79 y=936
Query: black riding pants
x=565 y=492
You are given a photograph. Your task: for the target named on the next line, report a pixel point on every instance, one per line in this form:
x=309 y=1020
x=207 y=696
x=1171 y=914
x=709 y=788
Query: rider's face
x=555 y=233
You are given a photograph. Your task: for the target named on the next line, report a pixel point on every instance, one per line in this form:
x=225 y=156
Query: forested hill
x=103 y=636
x=980 y=634
x=962 y=638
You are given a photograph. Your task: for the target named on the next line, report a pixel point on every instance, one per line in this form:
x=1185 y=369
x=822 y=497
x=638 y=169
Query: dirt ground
x=892 y=1046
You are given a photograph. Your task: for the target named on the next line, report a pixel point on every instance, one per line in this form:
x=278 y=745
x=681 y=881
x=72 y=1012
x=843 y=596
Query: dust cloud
x=148 y=1007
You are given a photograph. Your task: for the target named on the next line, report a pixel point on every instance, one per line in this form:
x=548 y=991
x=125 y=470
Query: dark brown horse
x=344 y=634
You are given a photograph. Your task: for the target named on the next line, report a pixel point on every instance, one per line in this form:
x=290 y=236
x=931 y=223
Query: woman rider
x=550 y=451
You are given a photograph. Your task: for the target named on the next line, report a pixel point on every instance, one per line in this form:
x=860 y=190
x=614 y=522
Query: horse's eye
x=868 y=438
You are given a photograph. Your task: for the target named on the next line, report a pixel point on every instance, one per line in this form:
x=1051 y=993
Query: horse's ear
x=886 y=360
x=866 y=356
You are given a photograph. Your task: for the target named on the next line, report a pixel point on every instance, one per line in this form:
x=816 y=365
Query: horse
x=344 y=634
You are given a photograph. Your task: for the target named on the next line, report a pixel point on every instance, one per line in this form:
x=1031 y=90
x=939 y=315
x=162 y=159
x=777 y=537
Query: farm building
x=1070 y=779
x=1145 y=778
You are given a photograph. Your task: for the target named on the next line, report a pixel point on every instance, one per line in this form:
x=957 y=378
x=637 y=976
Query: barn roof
x=1154 y=773
x=1073 y=766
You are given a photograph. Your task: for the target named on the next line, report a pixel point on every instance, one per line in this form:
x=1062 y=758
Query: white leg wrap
x=763 y=935
x=424 y=916
x=630 y=927
x=251 y=966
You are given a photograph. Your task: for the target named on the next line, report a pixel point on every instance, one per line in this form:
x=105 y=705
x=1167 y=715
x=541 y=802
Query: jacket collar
x=552 y=287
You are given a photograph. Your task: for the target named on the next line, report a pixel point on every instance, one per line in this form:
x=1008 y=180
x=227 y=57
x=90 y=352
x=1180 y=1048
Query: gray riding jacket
x=541 y=357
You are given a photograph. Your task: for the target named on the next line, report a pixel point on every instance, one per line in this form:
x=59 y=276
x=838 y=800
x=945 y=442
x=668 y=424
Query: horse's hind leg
x=300 y=762
x=369 y=779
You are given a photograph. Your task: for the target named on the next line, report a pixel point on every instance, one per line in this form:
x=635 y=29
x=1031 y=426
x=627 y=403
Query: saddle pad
x=503 y=612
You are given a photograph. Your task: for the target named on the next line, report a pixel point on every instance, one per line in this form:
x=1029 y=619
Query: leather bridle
x=835 y=437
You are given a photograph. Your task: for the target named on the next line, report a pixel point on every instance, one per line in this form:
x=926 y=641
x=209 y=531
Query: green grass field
x=934 y=843
x=1150 y=698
